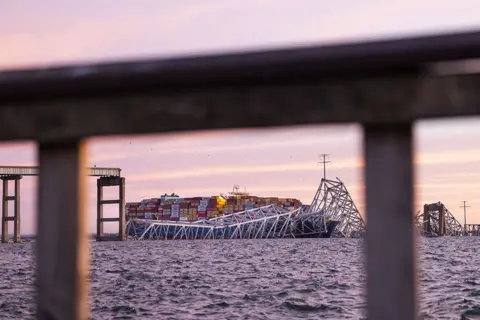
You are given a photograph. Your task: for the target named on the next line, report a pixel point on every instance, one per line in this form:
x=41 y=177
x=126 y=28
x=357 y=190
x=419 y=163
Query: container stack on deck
x=201 y=208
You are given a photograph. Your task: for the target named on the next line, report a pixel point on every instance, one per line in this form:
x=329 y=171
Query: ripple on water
x=251 y=279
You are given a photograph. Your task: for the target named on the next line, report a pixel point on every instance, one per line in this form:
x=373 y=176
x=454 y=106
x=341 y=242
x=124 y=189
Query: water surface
x=245 y=279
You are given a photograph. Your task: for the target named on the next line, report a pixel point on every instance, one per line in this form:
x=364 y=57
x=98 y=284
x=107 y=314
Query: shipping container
x=201 y=208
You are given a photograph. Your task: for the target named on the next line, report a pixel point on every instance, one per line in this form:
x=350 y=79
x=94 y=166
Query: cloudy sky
x=281 y=162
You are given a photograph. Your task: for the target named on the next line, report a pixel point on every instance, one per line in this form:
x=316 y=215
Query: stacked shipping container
x=201 y=208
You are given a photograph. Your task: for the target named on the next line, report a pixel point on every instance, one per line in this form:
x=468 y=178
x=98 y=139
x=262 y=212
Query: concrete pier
x=16 y=208
x=435 y=219
x=108 y=176
x=111 y=182
x=441 y=220
x=427 y=228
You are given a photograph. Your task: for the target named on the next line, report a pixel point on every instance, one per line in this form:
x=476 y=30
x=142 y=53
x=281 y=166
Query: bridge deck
x=34 y=171
x=372 y=82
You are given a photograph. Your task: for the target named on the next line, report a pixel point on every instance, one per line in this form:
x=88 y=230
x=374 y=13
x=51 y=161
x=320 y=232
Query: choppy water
x=245 y=279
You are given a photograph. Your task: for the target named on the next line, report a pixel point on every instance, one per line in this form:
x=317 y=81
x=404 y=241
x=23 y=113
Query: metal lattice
x=265 y=222
x=437 y=220
x=333 y=200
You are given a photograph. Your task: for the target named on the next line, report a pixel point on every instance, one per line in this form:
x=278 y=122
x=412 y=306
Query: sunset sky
x=280 y=162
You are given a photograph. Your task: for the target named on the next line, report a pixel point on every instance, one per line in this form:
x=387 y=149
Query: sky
x=268 y=162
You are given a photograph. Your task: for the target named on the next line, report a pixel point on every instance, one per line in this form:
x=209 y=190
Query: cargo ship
x=174 y=208
x=232 y=215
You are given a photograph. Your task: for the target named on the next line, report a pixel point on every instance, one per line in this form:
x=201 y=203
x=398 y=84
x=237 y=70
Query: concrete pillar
x=442 y=225
x=5 y=212
x=16 y=208
x=16 y=217
x=390 y=261
x=99 y=210
x=111 y=182
x=121 y=222
x=426 y=219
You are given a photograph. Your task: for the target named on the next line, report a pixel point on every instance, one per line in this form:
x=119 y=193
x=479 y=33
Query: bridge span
x=436 y=220
x=107 y=177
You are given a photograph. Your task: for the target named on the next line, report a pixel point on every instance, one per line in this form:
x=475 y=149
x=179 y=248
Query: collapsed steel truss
x=333 y=200
x=473 y=229
x=437 y=220
x=332 y=211
x=265 y=222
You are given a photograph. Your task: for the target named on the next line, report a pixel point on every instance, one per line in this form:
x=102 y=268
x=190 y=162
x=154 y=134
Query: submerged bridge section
x=436 y=220
x=259 y=223
x=473 y=230
x=107 y=177
x=333 y=200
x=331 y=214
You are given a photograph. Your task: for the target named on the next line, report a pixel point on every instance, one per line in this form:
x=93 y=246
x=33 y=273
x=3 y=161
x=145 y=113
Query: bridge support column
x=390 y=265
x=442 y=224
x=111 y=182
x=16 y=208
x=427 y=228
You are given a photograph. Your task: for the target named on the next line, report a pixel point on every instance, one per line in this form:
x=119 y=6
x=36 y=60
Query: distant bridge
x=107 y=177
x=35 y=171
x=437 y=220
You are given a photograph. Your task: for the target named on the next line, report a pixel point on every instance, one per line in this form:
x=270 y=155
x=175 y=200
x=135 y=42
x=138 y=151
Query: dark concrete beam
x=109 y=202
x=109 y=219
x=372 y=82
x=380 y=100
x=277 y=66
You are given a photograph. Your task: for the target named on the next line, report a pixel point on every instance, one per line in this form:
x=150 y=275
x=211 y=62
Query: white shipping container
x=183 y=218
x=148 y=215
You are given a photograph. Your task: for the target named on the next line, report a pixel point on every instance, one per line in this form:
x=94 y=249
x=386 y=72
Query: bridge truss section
x=473 y=229
x=437 y=220
x=333 y=200
x=259 y=223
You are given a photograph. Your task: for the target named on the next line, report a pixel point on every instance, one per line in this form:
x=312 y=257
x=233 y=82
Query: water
x=245 y=279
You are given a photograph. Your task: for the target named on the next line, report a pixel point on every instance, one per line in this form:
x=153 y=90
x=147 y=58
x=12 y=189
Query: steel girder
x=265 y=222
x=429 y=222
x=333 y=200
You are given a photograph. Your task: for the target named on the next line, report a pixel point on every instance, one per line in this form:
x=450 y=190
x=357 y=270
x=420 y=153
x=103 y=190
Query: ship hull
x=331 y=225
x=137 y=229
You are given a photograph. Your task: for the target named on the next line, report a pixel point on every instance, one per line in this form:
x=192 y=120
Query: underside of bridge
x=106 y=177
